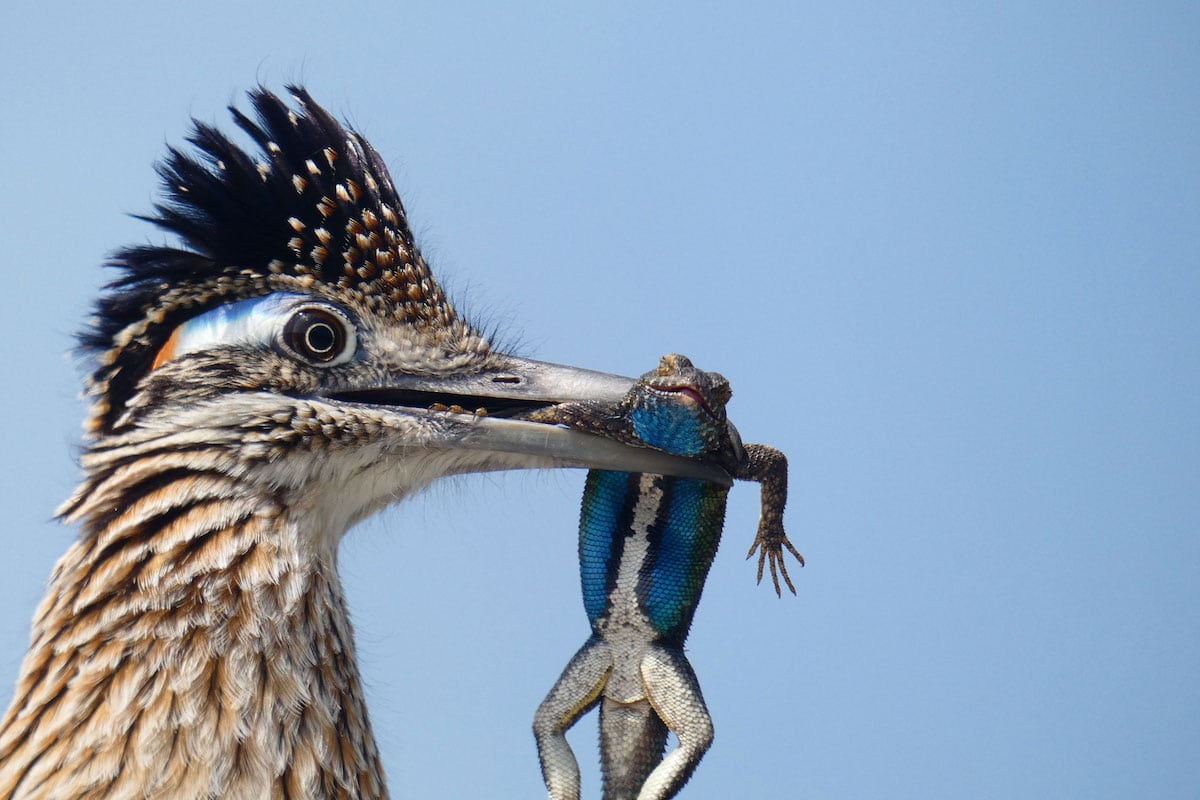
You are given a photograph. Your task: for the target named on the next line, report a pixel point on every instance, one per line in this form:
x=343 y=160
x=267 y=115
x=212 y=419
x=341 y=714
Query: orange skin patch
x=167 y=351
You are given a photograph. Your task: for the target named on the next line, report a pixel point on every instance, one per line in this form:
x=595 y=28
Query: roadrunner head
x=314 y=216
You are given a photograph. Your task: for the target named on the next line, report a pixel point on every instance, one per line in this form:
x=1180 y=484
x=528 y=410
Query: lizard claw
x=770 y=551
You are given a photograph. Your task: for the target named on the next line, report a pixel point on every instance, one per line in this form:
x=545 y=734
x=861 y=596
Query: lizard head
x=680 y=408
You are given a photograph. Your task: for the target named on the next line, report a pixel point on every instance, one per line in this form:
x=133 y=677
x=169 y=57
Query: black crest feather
x=316 y=205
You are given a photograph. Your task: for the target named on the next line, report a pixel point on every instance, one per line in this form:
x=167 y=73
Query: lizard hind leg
x=673 y=690
x=574 y=694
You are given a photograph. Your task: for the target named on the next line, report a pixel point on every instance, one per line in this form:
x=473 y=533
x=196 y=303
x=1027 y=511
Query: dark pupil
x=315 y=334
x=320 y=338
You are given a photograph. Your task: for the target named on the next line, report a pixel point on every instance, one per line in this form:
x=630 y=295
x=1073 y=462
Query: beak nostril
x=506 y=379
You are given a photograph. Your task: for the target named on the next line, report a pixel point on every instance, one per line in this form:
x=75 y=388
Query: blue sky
x=948 y=256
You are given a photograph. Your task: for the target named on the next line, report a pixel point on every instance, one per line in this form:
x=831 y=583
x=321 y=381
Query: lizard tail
x=632 y=740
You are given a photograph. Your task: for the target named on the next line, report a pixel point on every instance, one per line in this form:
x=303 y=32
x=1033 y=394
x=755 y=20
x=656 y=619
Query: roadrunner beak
x=519 y=385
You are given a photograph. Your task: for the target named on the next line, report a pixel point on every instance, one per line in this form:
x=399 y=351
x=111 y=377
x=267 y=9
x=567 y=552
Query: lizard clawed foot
x=772 y=543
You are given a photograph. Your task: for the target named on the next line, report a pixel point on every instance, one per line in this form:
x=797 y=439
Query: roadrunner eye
x=319 y=335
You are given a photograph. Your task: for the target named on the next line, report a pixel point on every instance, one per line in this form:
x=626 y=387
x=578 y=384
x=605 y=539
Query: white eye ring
x=320 y=335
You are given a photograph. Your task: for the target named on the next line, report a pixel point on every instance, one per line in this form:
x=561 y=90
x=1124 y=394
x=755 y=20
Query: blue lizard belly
x=688 y=535
x=647 y=553
x=605 y=517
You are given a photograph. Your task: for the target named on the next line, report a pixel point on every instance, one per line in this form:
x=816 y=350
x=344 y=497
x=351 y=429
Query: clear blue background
x=949 y=257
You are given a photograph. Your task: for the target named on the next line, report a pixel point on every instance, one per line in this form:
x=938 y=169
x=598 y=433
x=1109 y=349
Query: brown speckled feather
x=194 y=643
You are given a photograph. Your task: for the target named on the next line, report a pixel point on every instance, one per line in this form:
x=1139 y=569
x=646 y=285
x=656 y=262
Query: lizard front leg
x=674 y=693
x=576 y=691
x=768 y=467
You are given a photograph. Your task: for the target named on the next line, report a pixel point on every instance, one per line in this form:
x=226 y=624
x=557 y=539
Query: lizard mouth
x=689 y=394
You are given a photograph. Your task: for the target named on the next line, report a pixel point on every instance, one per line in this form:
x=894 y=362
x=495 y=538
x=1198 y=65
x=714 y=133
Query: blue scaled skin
x=646 y=543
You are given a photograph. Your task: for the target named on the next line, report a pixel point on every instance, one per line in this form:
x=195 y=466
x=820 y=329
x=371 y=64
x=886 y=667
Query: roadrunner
x=287 y=370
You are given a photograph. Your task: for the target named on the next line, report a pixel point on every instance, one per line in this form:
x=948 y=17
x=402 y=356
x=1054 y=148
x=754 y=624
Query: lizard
x=646 y=543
